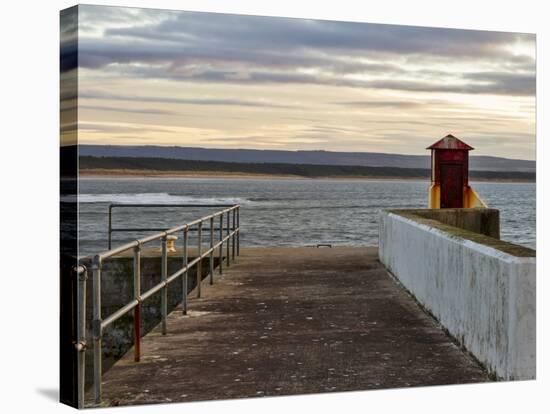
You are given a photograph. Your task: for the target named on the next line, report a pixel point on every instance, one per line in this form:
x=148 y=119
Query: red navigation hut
x=450 y=187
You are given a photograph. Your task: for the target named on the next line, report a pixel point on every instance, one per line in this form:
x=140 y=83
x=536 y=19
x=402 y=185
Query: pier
x=187 y=314
x=441 y=300
x=283 y=321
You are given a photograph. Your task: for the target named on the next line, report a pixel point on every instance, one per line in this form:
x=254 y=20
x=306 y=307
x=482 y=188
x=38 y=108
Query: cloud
x=96 y=54
x=184 y=28
x=382 y=104
x=191 y=46
x=145 y=111
x=113 y=128
x=182 y=101
x=505 y=83
x=475 y=83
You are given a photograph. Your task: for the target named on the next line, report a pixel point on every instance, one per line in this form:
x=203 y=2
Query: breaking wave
x=153 y=198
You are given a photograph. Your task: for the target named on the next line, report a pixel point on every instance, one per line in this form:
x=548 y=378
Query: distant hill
x=299 y=170
x=370 y=159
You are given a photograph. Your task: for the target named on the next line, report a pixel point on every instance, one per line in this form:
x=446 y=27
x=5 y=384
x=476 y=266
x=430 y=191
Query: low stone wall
x=481 y=289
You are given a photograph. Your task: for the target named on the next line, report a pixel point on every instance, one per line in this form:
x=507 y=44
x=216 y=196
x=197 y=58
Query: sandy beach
x=125 y=173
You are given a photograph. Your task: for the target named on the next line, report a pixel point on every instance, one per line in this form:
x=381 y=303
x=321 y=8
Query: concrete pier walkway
x=284 y=321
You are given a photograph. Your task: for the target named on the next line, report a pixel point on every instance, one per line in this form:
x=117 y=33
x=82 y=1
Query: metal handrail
x=111 y=230
x=232 y=237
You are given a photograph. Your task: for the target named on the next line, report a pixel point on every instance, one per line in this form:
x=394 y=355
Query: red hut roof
x=450 y=142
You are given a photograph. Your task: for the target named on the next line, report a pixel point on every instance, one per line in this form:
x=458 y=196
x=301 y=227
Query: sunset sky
x=230 y=81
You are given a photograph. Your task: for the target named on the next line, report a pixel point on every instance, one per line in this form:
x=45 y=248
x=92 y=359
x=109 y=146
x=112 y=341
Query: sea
x=279 y=212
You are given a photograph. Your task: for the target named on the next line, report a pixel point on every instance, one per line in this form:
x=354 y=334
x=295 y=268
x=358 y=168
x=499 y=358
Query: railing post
x=220 y=264
x=96 y=327
x=184 y=278
x=228 y=238
x=233 y=236
x=164 y=273
x=238 y=230
x=82 y=275
x=137 y=309
x=211 y=258
x=199 y=264
x=110 y=224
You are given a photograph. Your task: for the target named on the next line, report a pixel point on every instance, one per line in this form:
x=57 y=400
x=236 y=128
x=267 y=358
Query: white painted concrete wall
x=484 y=297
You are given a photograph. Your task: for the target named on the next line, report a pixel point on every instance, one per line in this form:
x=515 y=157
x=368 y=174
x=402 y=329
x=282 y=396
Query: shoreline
x=124 y=173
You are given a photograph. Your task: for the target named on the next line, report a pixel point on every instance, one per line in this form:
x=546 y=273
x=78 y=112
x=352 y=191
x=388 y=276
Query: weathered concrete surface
x=290 y=321
x=480 y=288
x=479 y=220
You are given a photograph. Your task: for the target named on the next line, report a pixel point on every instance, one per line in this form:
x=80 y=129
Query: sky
x=161 y=77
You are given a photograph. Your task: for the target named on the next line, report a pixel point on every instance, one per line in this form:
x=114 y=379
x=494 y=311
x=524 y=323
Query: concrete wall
x=481 y=289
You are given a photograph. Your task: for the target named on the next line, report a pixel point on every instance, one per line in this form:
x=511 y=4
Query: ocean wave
x=153 y=198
